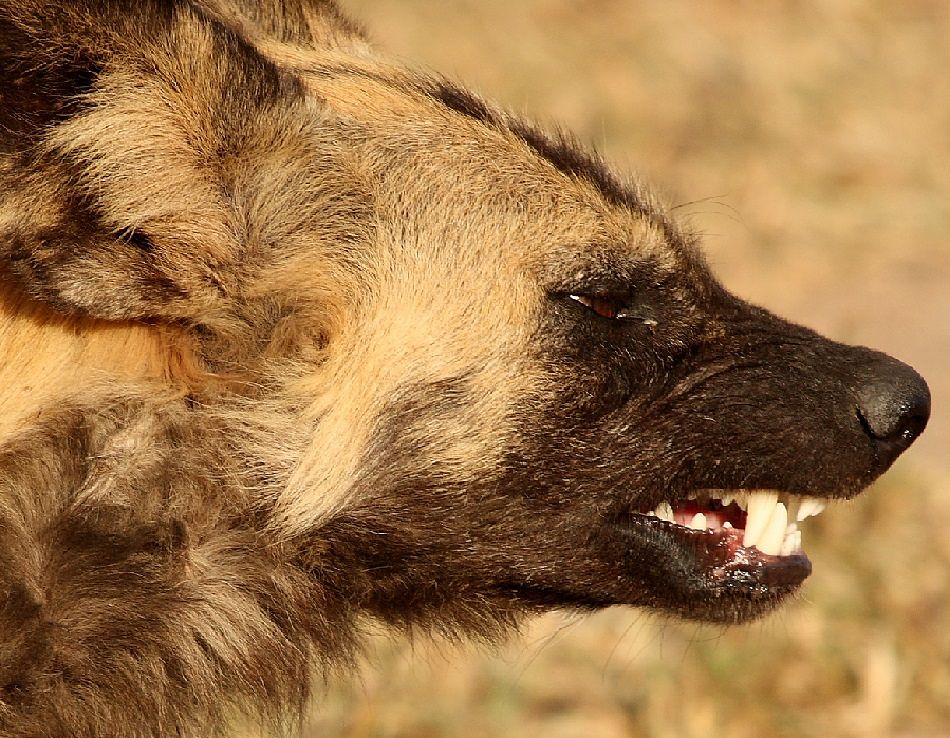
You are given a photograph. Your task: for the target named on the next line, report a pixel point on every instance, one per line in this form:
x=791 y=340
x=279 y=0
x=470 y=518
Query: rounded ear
x=116 y=122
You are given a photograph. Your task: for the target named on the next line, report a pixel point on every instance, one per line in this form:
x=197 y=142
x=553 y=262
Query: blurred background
x=810 y=143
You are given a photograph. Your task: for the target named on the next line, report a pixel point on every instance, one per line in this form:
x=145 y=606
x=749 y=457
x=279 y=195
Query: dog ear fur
x=114 y=194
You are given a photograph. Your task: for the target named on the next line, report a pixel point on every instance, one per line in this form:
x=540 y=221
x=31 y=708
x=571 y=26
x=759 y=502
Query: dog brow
x=563 y=152
x=560 y=150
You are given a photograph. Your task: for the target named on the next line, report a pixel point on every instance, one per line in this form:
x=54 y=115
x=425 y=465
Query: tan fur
x=50 y=358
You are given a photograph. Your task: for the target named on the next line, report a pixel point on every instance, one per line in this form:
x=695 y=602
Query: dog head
x=510 y=379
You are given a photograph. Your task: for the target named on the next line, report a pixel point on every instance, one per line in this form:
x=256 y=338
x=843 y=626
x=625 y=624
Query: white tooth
x=810 y=507
x=698 y=522
x=770 y=542
x=726 y=500
x=727 y=524
x=652 y=513
x=741 y=499
x=664 y=511
x=760 y=508
x=792 y=542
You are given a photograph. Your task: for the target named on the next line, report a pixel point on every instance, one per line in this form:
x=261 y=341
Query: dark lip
x=733 y=565
x=724 y=563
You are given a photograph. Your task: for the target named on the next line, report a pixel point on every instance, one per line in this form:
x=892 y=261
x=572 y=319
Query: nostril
x=908 y=423
x=914 y=421
x=895 y=410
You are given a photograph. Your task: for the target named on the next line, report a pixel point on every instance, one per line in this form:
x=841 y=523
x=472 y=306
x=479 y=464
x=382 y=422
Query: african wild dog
x=295 y=338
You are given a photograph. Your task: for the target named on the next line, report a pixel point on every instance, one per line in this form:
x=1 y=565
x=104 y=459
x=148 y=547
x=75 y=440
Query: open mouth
x=766 y=520
x=740 y=538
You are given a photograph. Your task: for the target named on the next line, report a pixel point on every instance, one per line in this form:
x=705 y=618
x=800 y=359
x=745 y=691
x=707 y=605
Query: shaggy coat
x=295 y=339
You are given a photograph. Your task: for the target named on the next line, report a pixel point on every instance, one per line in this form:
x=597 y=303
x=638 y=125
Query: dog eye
x=606 y=306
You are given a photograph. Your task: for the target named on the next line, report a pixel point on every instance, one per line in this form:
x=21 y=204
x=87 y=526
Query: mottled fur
x=288 y=347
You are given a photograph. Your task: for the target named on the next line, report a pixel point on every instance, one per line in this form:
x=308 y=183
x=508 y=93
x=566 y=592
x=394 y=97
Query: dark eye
x=611 y=307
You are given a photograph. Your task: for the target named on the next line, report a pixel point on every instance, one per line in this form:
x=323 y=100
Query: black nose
x=893 y=406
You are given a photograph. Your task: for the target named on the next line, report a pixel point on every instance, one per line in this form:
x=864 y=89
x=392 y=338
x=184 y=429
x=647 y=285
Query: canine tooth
x=698 y=522
x=727 y=524
x=760 y=508
x=792 y=542
x=810 y=507
x=770 y=542
x=664 y=511
x=726 y=500
x=741 y=499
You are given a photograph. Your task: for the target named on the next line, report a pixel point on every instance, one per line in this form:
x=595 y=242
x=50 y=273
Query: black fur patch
x=139 y=239
x=34 y=93
x=462 y=101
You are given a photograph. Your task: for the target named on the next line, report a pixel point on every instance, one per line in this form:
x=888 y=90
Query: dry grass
x=814 y=141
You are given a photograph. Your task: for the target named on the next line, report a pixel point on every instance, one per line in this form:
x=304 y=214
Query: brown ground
x=813 y=141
